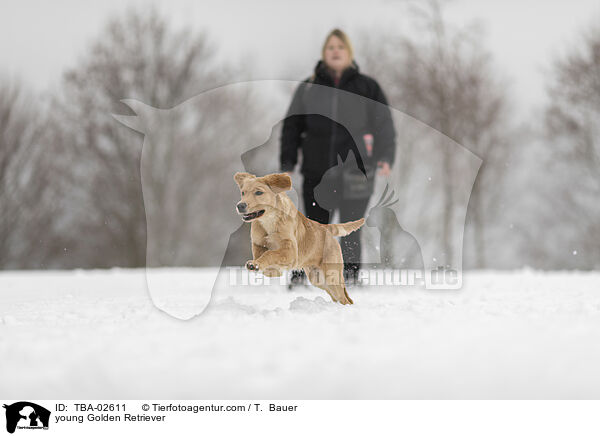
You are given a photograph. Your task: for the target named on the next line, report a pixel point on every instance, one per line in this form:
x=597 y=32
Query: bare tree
x=138 y=56
x=572 y=214
x=444 y=77
x=26 y=199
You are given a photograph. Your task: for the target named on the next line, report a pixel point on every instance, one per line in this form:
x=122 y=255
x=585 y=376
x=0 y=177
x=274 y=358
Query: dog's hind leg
x=334 y=274
x=328 y=278
x=333 y=267
x=317 y=277
x=342 y=294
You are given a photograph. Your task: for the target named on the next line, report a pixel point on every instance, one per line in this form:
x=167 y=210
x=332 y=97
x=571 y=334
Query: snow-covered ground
x=96 y=334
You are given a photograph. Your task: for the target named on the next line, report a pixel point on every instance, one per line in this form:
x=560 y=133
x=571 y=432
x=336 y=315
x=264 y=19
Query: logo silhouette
x=175 y=157
x=27 y=415
x=397 y=247
x=348 y=179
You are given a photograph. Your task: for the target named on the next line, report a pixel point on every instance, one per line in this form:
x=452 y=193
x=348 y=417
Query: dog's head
x=259 y=194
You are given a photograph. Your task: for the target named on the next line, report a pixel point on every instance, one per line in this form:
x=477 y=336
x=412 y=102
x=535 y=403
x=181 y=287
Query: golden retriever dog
x=283 y=238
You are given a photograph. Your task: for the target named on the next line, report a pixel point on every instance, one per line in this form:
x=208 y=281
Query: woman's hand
x=384 y=169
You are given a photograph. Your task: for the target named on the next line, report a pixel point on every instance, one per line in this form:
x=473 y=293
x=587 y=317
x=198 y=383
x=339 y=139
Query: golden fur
x=283 y=238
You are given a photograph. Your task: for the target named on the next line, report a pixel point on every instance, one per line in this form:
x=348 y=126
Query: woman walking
x=322 y=140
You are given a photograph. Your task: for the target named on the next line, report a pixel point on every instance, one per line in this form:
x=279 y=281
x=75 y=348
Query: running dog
x=283 y=238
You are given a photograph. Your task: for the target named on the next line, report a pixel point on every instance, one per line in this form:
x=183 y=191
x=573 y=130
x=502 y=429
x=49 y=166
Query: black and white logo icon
x=26 y=415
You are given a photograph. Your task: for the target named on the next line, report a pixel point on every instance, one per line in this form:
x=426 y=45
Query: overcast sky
x=40 y=38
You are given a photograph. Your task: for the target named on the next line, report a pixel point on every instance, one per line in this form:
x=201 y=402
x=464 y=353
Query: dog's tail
x=345 y=228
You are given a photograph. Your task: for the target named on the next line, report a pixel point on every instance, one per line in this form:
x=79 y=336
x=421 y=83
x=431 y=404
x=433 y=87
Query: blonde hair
x=340 y=34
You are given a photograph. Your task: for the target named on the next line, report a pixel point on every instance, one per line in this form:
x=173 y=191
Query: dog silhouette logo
x=26 y=415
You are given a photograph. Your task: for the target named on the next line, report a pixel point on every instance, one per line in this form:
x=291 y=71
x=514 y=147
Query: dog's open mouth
x=253 y=215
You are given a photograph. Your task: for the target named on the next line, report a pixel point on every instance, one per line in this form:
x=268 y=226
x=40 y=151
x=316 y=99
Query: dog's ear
x=278 y=182
x=240 y=177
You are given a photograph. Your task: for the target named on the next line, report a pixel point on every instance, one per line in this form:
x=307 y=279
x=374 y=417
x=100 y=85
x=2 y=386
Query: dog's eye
x=243 y=193
x=258 y=193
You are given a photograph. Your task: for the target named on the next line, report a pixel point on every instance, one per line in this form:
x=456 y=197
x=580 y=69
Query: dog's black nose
x=241 y=207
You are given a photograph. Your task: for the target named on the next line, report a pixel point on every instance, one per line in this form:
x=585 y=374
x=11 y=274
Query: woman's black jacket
x=322 y=139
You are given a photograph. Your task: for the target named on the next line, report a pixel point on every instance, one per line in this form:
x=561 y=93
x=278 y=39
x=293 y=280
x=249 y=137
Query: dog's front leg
x=257 y=251
x=272 y=262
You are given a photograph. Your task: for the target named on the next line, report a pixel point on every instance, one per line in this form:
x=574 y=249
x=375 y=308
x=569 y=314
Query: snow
x=97 y=334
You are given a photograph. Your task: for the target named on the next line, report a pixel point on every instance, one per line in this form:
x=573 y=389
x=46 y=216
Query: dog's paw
x=250 y=265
